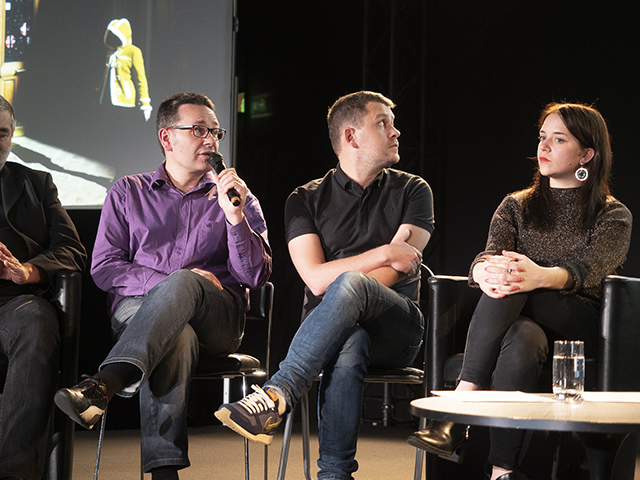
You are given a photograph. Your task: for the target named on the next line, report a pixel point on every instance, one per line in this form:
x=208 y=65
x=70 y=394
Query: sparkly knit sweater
x=588 y=255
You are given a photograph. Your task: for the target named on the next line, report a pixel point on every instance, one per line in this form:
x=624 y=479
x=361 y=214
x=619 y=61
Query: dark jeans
x=30 y=338
x=359 y=322
x=163 y=334
x=506 y=348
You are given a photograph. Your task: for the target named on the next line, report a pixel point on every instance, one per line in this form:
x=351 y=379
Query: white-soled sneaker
x=255 y=416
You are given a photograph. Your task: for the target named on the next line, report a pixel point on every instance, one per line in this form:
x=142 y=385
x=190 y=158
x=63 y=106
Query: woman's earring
x=582 y=173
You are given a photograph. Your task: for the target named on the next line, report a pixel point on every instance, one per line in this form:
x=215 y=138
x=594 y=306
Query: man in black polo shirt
x=356 y=238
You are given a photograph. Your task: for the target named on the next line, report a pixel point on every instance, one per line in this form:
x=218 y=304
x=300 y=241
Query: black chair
x=452 y=302
x=67 y=299
x=242 y=365
x=386 y=376
x=619 y=364
x=233 y=365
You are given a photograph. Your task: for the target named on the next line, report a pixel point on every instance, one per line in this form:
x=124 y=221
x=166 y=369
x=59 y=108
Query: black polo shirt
x=349 y=220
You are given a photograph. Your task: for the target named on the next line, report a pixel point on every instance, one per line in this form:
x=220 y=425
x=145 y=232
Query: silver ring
x=509 y=271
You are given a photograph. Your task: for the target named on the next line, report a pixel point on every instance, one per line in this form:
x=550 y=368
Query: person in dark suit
x=37 y=240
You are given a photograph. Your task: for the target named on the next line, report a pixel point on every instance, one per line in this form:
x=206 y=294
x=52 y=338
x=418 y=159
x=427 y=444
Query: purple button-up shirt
x=149 y=229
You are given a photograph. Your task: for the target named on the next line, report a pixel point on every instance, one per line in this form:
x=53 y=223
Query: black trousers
x=507 y=346
x=29 y=337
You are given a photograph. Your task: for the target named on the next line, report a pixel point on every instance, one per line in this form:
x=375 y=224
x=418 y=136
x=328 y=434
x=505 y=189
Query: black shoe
x=441 y=438
x=85 y=403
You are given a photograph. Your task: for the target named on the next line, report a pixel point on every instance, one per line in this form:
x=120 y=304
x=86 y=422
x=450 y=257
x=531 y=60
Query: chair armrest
x=259 y=301
x=451 y=304
x=619 y=363
x=67 y=300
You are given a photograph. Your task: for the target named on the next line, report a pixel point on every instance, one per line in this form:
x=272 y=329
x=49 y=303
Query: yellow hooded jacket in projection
x=120 y=62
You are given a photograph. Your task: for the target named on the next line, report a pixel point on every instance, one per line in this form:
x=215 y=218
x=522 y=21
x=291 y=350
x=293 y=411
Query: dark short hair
x=349 y=111
x=167 y=115
x=5 y=106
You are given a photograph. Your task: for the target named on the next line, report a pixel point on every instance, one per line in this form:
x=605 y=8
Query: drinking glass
x=568 y=370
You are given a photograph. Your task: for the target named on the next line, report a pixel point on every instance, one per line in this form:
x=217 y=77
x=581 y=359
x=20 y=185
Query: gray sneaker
x=255 y=416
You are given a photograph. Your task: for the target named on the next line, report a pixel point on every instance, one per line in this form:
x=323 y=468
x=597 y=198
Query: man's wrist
x=385 y=256
x=32 y=273
x=235 y=219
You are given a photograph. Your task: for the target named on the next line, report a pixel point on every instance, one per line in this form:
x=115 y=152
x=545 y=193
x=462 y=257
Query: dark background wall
x=469 y=78
x=489 y=68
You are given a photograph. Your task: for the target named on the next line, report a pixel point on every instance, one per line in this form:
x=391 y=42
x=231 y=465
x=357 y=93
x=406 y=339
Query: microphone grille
x=216 y=158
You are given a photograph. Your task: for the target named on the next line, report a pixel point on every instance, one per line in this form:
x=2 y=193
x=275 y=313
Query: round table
x=602 y=426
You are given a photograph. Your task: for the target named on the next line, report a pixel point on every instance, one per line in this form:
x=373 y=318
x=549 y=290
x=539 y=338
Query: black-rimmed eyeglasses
x=201 y=131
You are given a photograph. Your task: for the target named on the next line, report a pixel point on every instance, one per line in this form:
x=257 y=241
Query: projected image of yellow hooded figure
x=124 y=57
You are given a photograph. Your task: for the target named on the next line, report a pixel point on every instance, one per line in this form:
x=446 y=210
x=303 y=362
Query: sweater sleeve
x=606 y=250
x=588 y=255
x=503 y=233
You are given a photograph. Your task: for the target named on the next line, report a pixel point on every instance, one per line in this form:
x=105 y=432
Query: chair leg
x=141 y=464
x=386 y=405
x=100 y=438
x=246 y=458
x=306 y=457
x=417 y=473
x=266 y=462
x=226 y=390
x=286 y=443
x=246 y=440
x=420 y=454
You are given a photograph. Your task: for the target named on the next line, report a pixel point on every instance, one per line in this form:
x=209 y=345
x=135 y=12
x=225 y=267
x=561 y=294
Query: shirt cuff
x=240 y=232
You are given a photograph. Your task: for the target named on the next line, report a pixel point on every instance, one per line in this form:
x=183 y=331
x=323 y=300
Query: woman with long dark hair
x=549 y=248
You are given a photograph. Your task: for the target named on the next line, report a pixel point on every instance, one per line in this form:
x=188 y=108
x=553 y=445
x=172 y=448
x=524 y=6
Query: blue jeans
x=29 y=337
x=359 y=323
x=163 y=334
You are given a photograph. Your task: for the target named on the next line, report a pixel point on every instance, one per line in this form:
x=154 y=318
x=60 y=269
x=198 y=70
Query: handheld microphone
x=216 y=160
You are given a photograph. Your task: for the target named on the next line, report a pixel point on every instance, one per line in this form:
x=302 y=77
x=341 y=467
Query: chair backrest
x=252 y=359
x=450 y=306
x=260 y=314
x=425 y=274
x=618 y=362
x=261 y=302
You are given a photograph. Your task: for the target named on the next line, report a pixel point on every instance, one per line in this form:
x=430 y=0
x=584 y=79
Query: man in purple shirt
x=177 y=258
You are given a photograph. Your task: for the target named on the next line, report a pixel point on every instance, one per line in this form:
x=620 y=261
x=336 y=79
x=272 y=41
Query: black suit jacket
x=31 y=205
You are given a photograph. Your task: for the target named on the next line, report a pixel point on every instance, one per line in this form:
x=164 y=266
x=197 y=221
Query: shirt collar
x=347 y=184
x=160 y=178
